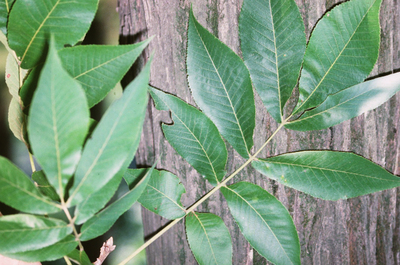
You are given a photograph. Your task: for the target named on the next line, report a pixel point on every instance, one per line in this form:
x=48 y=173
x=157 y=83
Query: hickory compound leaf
x=221 y=86
x=342 y=51
x=193 y=136
x=163 y=193
x=24 y=232
x=114 y=140
x=327 y=175
x=264 y=222
x=348 y=103
x=273 y=42
x=19 y=192
x=32 y=21
x=98 y=68
x=58 y=122
x=209 y=239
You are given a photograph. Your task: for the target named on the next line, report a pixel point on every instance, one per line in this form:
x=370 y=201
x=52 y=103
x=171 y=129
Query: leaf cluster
x=53 y=87
x=54 y=82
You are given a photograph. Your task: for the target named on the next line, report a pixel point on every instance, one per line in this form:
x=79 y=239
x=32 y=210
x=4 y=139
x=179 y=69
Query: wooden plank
x=363 y=230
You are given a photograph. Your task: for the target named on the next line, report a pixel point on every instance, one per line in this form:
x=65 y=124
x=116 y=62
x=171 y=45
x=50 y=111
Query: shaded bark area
x=363 y=230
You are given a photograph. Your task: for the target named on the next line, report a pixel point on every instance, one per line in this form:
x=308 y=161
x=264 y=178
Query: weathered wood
x=363 y=230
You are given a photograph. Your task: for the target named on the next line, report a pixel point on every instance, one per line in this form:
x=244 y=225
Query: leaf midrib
x=163 y=194
x=326 y=169
x=208 y=239
x=225 y=90
x=38 y=30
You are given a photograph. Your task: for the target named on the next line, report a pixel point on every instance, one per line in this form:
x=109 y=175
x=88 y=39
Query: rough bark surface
x=364 y=230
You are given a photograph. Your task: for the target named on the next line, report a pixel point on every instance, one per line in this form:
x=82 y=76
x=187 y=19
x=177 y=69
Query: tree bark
x=364 y=230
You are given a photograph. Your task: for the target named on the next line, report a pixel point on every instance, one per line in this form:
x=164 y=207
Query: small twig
x=106 y=249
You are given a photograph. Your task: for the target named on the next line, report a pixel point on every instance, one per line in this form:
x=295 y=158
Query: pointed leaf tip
x=221 y=86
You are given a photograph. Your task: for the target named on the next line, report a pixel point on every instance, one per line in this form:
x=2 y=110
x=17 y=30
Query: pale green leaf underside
x=17 y=120
x=98 y=68
x=193 y=136
x=114 y=140
x=163 y=194
x=342 y=51
x=101 y=222
x=14 y=76
x=264 y=222
x=23 y=232
x=32 y=21
x=327 y=175
x=273 y=42
x=58 y=122
x=53 y=252
x=221 y=86
x=348 y=103
x=19 y=192
x=209 y=239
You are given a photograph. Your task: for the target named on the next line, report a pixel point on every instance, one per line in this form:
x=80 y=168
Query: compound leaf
x=327 y=175
x=342 y=51
x=221 y=86
x=273 y=42
x=209 y=239
x=264 y=222
x=193 y=136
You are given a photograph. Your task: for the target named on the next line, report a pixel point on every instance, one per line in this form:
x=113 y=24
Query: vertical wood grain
x=364 y=230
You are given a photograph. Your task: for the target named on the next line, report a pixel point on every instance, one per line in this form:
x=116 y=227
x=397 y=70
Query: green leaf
x=347 y=37
x=32 y=21
x=14 y=76
x=17 y=121
x=273 y=42
x=58 y=122
x=101 y=222
x=193 y=136
x=44 y=185
x=98 y=68
x=209 y=239
x=264 y=222
x=327 y=175
x=18 y=191
x=221 y=86
x=79 y=257
x=97 y=200
x=114 y=140
x=348 y=103
x=53 y=252
x=163 y=193
x=24 y=232
x=5 y=7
